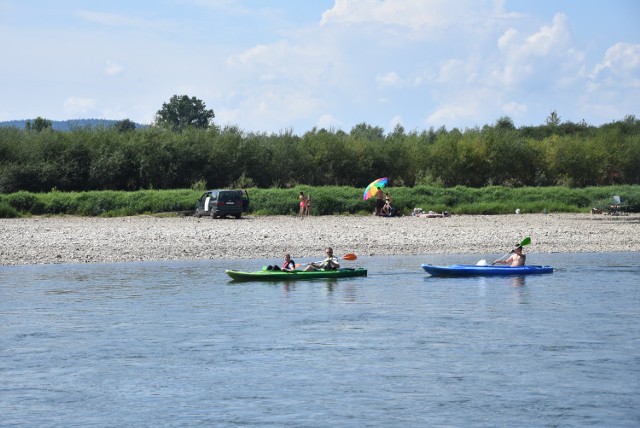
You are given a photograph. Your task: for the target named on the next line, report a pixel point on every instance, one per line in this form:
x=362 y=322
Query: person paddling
x=517 y=257
x=330 y=263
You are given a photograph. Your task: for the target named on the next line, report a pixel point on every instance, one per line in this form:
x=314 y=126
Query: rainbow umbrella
x=373 y=187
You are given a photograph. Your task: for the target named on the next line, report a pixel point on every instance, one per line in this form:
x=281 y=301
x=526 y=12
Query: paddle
x=525 y=241
x=348 y=256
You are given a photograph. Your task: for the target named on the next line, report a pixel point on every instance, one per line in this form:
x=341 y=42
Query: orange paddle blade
x=350 y=256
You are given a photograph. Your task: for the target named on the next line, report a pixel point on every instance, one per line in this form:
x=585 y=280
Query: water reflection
x=521 y=295
x=518 y=281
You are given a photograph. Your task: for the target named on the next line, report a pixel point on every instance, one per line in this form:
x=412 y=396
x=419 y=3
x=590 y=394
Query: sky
x=272 y=66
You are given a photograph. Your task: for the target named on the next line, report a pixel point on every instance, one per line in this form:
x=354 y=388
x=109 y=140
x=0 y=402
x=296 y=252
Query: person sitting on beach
x=386 y=209
x=516 y=259
x=288 y=264
x=330 y=263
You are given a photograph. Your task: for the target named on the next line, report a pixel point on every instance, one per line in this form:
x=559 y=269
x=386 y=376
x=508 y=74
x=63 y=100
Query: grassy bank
x=326 y=200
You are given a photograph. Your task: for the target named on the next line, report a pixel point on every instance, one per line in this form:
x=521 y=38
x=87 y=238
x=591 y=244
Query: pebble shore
x=66 y=239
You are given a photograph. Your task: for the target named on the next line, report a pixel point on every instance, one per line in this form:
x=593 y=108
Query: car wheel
x=238 y=215
x=197 y=213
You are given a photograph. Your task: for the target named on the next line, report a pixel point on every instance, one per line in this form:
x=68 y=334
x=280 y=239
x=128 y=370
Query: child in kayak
x=330 y=263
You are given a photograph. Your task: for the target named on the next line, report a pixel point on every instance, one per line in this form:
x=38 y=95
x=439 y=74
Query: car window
x=227 y=196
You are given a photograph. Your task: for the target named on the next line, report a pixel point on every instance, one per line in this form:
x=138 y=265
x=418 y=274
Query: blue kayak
x=472 y=270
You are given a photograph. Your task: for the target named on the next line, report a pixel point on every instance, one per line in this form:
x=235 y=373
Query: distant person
x=329 y=263
x=517 y=258
x=308 y=205
x=287 y=264
x=379 y=201
x=303 y=202
x=387 y=210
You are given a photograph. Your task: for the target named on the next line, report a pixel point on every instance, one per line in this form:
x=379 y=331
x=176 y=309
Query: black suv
x=222 y=203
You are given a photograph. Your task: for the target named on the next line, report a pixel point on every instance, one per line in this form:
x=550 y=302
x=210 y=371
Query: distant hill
x=67 y=125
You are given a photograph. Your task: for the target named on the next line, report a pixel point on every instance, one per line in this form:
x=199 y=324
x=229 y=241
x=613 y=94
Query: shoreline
x=70 y=239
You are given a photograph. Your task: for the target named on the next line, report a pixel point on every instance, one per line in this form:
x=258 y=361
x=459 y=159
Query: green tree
x=124 y=125
x=553 y=119
x=182 y=112
x=39 y=124
x=505 y=123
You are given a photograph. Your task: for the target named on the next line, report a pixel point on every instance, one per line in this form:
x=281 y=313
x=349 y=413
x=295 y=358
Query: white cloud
x=117 y=20
x=514 y=109
x=622 y=61
x=396 y=120
x=79 y=106
x=453 y=71
x=258 y=53
x=478 y=105
x=462 y=63
x=523 y=56
x=413 y=14
x=389 y=79
x=549 y=38
x=327 y=121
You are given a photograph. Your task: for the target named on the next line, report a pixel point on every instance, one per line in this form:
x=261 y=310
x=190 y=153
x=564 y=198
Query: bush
x=7 y=211
x=328 y=200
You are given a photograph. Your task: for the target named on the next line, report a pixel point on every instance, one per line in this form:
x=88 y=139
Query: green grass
x=327 y=200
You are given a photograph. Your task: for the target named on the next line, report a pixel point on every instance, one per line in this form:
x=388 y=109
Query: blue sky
x=277 y=65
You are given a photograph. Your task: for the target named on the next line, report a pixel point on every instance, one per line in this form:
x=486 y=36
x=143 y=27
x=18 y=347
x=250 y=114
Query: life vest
x=288 y=265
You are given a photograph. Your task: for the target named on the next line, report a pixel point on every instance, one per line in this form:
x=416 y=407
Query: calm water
x=177 y=344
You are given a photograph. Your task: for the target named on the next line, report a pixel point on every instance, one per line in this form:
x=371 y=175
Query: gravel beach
x=65 y=239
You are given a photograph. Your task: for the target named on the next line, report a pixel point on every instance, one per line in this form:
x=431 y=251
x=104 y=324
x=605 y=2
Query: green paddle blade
x=525 y=241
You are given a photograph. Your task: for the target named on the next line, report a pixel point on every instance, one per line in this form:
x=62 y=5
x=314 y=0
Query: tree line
x=123 y=157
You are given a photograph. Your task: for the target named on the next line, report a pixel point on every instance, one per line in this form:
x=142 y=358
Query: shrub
x=7 y=211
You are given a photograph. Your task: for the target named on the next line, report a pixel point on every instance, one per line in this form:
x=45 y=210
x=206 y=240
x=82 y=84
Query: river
x=178 y=344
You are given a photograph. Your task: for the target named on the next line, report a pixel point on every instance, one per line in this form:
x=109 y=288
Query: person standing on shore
x=303 y=202
x=307 y=205
x=379 y=201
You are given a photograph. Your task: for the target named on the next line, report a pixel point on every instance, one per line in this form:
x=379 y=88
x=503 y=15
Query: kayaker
x=517 y=257
x=330 y=263
x=287 y=265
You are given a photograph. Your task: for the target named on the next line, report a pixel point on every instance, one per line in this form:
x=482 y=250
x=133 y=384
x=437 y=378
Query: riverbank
x=65 y=239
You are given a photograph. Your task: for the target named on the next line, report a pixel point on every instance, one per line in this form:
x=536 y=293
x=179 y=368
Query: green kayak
x=296 y=275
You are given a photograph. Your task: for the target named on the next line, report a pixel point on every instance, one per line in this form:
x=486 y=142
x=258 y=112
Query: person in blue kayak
x=517 y=257
x=330 y=263
x=287 y=265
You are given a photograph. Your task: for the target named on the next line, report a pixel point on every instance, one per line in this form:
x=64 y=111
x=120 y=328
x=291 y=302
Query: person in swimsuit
x=303 y=202
x=379 y=201
x=307 y=206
